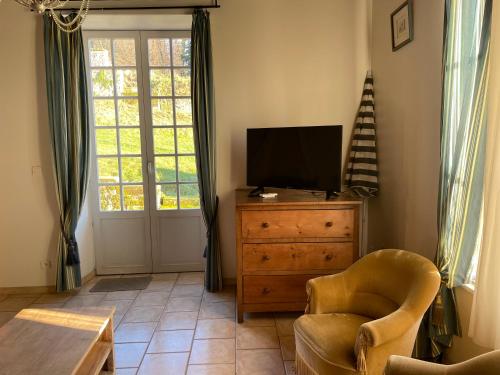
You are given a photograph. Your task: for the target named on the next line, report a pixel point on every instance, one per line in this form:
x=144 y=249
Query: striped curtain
x=463 y=130
x=69 y=129
x=202 y=93
x=362 y=171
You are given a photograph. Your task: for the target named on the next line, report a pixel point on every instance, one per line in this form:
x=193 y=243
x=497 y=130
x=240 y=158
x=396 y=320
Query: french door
x=146 y=205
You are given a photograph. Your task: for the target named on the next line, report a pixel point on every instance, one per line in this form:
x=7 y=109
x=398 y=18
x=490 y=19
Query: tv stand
x=331 y=194
x=256 y=192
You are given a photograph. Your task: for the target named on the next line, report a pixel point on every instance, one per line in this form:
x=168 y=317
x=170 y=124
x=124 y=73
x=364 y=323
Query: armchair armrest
x=397 y=365
x=388 y=328
x=326 y=294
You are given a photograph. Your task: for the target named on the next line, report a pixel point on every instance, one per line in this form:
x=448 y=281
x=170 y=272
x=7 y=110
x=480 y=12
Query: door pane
x=185 y=143
x=100 y=52
x=109 y=198
x=104 y=112
x=133 y=198
x=102 y=82
x=165 y=169
x=183 y=115
x=189 y=196
x=164 y=142
x=161 y=82
x=128 y=112
x=126 y=82
x=181 y=48
x=124 y=50
x=132 y=169
x=162 y=111
x=106 y=142
x=166 y=197
x=187 y=169
x=182 y=82
x=159 y=52
x=130 y=141
x=108 y=170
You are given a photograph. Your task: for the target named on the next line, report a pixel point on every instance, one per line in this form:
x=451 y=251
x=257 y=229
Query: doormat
x=119 y=284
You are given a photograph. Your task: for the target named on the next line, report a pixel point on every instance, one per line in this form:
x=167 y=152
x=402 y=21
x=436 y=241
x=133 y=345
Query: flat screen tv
x=306 y=157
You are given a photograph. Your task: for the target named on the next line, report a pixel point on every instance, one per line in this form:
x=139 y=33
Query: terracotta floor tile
x=160 y=286
x=183 y=304
x=143 y=314
x=171 y=341
x=187 y=290
x=191 y=278
x=5 y=316
x=284 y=323
x=84 y=300
x=129 y=355
x=259 y=361
x=126 y=371
x=287 y=344
x=121 y=306
x=17 y=302
x=228 y=294
x=256 y=337
x=122 y=294
x=164 y=364
x=178 y=320
x=212 y=351
x=257 y=319
x=215 y=329
x=151 y=299
x=53 y=298
x=134 y=332
x=172 y=276
x=217 y=310
x=220 y=369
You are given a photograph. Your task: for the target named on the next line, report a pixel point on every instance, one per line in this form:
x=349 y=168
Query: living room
x=273 y=64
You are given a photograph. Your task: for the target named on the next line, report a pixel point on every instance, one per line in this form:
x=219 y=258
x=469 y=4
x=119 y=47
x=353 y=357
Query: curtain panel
x=463 y=131
x=484 y=327
x=69 y=130
x=202 y=93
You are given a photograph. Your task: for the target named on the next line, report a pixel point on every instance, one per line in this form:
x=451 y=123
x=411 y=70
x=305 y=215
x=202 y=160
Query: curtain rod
x=216 y=5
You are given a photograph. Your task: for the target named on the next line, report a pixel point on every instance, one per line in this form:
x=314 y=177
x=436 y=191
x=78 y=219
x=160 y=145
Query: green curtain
x=463 y=131
x=202 y=93
x=69 y=129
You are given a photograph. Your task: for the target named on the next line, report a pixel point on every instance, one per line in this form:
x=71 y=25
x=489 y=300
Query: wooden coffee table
x=58 y=342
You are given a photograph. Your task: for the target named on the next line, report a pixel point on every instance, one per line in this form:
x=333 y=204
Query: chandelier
x=40 y=6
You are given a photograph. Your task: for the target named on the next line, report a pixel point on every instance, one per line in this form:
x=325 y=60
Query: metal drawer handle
x=265 y=257
x=266 y=291
x=329 y=257
x=329 y=224
x=265 y=225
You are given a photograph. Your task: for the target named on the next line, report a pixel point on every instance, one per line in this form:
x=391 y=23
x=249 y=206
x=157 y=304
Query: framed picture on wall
x=402 y=25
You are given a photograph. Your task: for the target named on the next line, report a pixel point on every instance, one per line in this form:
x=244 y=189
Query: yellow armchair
x=357 y=318
x=485 y=364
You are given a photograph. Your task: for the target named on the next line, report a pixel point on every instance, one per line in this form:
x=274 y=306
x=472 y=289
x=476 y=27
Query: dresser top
x=295 y=197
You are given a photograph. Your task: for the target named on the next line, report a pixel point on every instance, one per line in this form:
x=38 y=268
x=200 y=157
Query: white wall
x=28 y=209
x=279 y=63
x=408 y=107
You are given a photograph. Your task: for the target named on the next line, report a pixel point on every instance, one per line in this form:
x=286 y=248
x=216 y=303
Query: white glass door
x=177 y=229
x=145 y=192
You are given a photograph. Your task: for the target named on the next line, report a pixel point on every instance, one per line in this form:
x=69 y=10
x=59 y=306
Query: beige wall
x=276 y=63
x=408 y=104
x=28 y=209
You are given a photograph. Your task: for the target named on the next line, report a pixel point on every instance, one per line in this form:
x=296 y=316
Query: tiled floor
x=176 y=327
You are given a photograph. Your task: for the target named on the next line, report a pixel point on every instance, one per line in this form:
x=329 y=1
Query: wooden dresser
x=283 y=242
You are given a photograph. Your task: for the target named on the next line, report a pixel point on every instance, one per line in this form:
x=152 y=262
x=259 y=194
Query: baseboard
x=41 y=289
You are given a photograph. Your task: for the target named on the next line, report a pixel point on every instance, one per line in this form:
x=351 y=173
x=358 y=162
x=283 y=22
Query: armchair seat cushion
x=327 y=340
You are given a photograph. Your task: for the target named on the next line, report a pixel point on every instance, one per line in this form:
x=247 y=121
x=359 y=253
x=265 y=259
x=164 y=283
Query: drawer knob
x=328 y=257
x=329 y=224
x=266 y=257
x=266 y=291
x=265 y=225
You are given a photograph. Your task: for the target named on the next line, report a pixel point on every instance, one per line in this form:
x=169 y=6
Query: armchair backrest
x=386 y=280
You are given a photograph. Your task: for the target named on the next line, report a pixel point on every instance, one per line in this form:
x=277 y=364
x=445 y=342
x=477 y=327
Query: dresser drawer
x=297 y=224
x=297 y=256
x=275 y=289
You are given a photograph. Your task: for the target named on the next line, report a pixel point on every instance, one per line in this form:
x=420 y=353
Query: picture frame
x=402 y=25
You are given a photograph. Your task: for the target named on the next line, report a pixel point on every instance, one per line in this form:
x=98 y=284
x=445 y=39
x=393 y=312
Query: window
x=141 y=100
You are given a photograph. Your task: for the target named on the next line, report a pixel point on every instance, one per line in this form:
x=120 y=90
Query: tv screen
x=307 y=157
